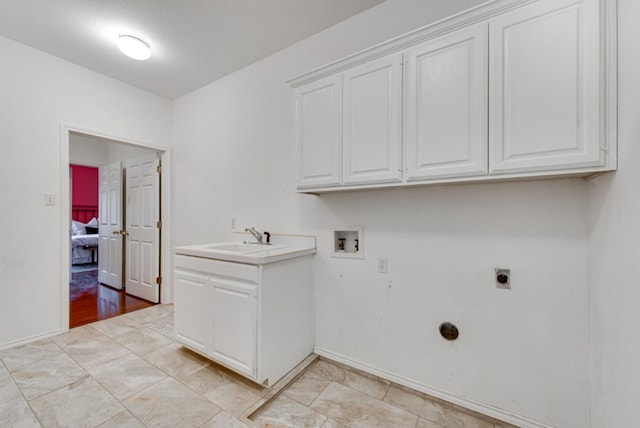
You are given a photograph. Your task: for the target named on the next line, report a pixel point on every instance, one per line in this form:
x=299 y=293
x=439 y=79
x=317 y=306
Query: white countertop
x=283 y=247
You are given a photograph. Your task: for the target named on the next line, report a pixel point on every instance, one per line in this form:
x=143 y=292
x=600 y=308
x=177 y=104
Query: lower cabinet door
x=192 y=309
x=235 y=326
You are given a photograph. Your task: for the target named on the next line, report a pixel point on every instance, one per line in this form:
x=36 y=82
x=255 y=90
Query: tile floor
x=128 y=371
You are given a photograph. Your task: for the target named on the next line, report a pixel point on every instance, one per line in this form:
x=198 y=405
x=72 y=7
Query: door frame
x=166 y=260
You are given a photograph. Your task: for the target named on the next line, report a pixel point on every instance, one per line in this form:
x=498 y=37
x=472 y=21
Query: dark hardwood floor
x=91 y=301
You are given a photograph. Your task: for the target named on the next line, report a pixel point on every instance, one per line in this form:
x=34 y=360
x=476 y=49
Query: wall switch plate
x=50 y=199
x=382 y=265
x=503 y=278
x=234 y=223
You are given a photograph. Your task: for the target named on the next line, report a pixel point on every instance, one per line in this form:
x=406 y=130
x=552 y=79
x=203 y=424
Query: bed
x=84 y=235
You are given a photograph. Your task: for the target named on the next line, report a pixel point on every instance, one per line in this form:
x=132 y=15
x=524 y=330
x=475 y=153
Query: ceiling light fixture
x=134 y=47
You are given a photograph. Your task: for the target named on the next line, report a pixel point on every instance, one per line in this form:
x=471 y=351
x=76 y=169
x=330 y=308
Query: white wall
x=122 y=152
x=39 y=93
x=89 y=151
x=522 y=351
x=86 y=150
x=614 y=213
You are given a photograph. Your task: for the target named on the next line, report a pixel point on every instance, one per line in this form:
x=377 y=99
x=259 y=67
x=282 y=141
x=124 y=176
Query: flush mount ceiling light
x=134 y=47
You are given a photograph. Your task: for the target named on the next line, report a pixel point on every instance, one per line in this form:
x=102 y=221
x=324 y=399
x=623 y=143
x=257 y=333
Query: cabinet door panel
x=447 y=106
x=372 y=131
x=319 y=133
x=192 y=309
x=235 y=326
x=544 y=87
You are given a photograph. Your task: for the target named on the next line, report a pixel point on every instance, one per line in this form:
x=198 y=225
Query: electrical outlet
x=234 y=223
x=503 y=278
x=382 y=265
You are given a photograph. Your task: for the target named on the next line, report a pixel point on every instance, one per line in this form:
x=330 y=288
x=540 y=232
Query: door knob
x=117 y=232
x=124 y=232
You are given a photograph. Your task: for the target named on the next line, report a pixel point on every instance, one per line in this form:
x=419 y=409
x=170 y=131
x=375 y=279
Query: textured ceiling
x=194 y=42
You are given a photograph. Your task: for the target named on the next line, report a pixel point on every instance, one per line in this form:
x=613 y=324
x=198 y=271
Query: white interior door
x=110 y=227
x=142 y=232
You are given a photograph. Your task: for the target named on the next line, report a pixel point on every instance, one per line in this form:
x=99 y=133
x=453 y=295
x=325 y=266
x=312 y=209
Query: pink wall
x=84 y=186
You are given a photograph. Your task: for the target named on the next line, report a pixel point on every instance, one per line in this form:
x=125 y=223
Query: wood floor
x=91 y=301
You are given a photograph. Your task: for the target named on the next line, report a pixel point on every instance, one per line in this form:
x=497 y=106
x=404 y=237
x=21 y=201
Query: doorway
x=90 y=299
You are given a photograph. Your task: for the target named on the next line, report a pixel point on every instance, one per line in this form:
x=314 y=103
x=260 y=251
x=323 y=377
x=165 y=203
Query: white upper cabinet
x=510 y=89
x=372 y=121
x=446 y=106
x=545 y=93
x=319 y=133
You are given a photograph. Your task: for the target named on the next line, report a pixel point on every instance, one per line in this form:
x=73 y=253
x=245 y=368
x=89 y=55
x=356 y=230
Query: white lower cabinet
x=192 y=291
x=253 y=319
x=234 y=306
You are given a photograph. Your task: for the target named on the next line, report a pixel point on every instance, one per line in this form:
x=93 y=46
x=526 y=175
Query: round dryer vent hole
x=449 y=331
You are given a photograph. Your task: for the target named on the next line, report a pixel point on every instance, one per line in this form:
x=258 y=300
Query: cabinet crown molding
x=461 y=19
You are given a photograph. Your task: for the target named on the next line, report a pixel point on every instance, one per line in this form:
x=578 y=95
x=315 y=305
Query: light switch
x=49 y=198
x=382 y=265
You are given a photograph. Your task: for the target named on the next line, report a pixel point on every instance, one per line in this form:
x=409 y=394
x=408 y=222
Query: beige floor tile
x=225 y=420
x=171 y=404
x=307 y=387
x=94 y=350
x=75 y=335
x=423 y=423
x=17 y=413
x=40 y=377
x=176 y=360
x=454 y=419
x=143 y=340
x=127 y=375
x=285 y=412
x=226 y=391
x=131 y=357
x=25 y=354
x=115 y=326
x=331 y=371
x=146 y=315
x=8 y=388
x=82 y=404
x=163 y=325
x=122 y=420
x=434 y=410
x=368 y=384
x=356 y=409
x=167 y=309
x=417 y=404
x=330 y=423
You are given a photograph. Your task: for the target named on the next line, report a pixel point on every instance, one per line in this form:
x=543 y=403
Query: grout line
x=278 y=387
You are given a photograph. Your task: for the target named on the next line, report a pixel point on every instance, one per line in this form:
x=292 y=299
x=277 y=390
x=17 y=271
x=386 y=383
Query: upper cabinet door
x=372 y=131
x=446 y=109
x=544 y=80
x=319 y=133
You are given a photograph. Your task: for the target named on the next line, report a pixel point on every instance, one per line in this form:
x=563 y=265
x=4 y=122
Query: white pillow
x=77 y=228
x=93 y=222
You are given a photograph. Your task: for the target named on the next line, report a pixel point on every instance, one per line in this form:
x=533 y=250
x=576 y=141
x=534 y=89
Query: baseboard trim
x=476 y=406
x=30 y=339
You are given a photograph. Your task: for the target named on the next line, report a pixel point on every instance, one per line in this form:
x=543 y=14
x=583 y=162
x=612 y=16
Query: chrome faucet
x=255 y=234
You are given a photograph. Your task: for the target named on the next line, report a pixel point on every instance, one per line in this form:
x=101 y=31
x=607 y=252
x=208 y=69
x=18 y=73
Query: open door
x=110 y=225
x=142 y=176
